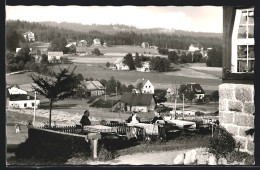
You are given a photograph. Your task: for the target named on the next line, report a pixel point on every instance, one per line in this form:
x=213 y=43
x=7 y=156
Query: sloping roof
x=55 y=53
x=137 y=99
x=21 y=97
x=28 y=32
x=138 y=81
x=119 y=60
x=196 y=88
x=15 y=90
x=93 y=85
x=28 y=87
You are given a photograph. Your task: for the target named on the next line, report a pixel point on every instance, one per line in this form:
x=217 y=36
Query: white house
x=18 y=98
x=29 y=36
x=54 y=56
x=82 y=43
x=120 y=65
x=96 y=42
x=195 y=47
x=145 y=67
x=146 y=86
x=145 y=45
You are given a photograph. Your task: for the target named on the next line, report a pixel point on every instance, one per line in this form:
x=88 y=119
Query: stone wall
x=236 y=112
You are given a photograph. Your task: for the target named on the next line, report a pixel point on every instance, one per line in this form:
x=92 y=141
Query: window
x=32 y=104
x=25 y=104
x=243 y=57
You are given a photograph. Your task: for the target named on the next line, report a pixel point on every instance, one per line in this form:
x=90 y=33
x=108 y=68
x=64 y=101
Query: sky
x=188 y=18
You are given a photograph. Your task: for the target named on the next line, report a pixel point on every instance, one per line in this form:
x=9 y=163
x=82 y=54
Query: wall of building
x=20 y=103
x=236 y=112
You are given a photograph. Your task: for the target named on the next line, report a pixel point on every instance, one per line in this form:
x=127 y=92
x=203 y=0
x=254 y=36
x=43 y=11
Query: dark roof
x=138 y=99
x=196 y=88
x=21 y=97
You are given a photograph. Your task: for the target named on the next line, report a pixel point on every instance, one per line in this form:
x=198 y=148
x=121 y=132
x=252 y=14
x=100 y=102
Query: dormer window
x=243 y=57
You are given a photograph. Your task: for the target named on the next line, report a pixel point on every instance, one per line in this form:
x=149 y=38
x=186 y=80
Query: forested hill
x=112 y=29
x=124 y=35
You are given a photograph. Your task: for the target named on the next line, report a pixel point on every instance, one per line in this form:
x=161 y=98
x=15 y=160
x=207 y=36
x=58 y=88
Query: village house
x=195 y=47
x=96 y=42
x=82 y=43
x=54 y=56
x=29 y=36
x=237 y=92
x=145 y=86
x=93 y=88
x=195 y=88
x=120 y=65
x=145 y=67
x=145 y=45
x=138 y=102
x=18 y=98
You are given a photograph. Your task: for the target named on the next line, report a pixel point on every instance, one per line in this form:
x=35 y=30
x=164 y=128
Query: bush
x=198 y=113
x=222 y=142
x=240 y=157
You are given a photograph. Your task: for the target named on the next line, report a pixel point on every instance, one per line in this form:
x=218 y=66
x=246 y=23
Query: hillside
x=111 y=34
x=112 y=29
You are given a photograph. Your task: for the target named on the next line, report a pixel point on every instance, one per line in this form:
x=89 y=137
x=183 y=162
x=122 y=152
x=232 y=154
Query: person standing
x=158 y=119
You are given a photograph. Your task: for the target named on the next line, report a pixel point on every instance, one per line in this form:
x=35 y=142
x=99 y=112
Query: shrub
x=222 y=142
x=198 y=113
x=240 y=157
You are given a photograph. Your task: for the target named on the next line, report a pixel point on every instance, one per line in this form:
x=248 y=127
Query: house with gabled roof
x=18 y=98
x=144 y=85
x=29 y=36
x=195 y=47
x=120 y=65
x=96 y=42
x=195 y=88
x=137 y=102
x=82 y=43
x=93 y=88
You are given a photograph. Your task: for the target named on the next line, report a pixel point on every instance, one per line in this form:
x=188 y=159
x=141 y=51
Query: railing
x=66 y=129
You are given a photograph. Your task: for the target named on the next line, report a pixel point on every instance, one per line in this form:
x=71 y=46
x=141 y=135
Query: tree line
x=47 y=34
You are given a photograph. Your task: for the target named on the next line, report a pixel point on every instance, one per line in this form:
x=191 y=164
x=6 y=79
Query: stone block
x=212 y=160
x=241 y=119
x=249 y=107
x=222 y=161
x=179 y=160
x=244 y=92
x=226 y=117
x=226 y=91
x=242 y=132
x=190 y=157
x=234 y=105
x=223 y=105
x=242 y=140
x=202 y=158
x=250 y=146
x=232 y=129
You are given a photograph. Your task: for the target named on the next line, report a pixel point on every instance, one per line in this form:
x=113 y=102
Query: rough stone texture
x=212 y=160
x=179 y=160
x=226 y=117
x=242 y=132
x=232 y=129
x=190 y=157
x=222 y=161
x=202 y=158
x=235 y=105
x=244 y=93
x=250 y=146
x=244 y=120
x=249 y=108
x=223 y=105
x=242 y=140
x=226 y=91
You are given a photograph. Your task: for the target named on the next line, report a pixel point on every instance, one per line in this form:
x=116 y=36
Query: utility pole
x=176 y=101
x=105 y=93
x=183 y=106
x=116 y=93
x=34 y=111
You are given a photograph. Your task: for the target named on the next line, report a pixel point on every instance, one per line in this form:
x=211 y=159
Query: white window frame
x=236 y=41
